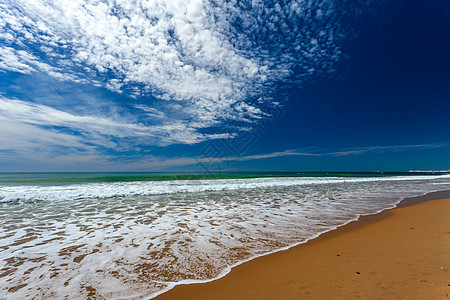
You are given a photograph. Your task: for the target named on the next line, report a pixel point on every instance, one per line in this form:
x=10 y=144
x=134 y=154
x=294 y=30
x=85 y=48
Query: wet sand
x=402 y=253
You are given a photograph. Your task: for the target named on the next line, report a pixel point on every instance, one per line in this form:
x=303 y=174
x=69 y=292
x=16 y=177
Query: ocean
x=135 y=235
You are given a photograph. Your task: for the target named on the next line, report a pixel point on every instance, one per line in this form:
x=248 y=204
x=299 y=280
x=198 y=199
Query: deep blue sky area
x=395 y=90
x=268 y=86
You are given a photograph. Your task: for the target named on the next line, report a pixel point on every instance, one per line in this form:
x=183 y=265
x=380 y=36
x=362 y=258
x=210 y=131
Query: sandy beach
x=402 y=253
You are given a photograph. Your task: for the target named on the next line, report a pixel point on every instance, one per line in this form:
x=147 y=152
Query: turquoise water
x=80 y=177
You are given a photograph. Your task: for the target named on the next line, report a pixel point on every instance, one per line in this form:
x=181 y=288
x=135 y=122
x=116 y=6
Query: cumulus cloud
x=183 y=71
x=220 y=60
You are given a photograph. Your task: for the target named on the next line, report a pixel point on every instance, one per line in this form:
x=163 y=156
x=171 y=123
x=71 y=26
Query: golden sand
x=400 y=254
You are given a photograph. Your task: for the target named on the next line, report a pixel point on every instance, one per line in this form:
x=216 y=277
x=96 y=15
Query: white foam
x=138 y=246
x=113 y=189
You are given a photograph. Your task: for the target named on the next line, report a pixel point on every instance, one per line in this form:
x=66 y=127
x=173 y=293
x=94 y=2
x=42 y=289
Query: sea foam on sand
x=135 y=239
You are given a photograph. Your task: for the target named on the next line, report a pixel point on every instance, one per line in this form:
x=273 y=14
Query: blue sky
x=90 y=85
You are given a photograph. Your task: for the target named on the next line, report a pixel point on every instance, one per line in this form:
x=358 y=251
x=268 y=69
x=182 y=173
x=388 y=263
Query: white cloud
x=12 y=60
x=18 y=137
x=210 y=56
x=151 y=111
x=97 y=129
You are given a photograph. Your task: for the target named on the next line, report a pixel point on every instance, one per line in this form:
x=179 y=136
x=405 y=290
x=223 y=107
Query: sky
x=217 y=85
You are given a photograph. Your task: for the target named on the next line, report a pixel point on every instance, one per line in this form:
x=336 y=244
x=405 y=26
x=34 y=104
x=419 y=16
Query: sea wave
x=171 y=232
x=123 y=189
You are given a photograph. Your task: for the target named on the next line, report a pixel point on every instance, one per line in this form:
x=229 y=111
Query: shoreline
x=187 y=290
